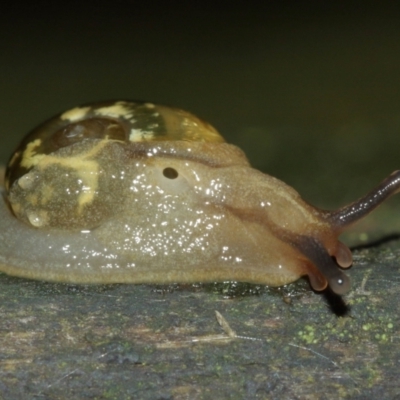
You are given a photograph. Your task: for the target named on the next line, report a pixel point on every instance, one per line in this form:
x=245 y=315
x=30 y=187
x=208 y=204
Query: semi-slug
x=123 y=192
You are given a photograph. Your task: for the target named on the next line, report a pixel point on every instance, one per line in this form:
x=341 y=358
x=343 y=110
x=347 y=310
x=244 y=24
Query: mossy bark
x=124 y=341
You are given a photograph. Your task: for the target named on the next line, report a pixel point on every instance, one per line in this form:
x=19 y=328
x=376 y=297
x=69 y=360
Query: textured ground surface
x=122 y=342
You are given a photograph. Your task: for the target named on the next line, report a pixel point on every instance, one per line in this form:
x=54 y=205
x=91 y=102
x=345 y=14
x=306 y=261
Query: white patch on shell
x=139 y=135
x=117 y=110
x=75 y=114
x=30 y=158
x=86 y=168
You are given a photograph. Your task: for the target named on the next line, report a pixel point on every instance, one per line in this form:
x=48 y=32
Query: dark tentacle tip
x=340 y=284
x=323 y=270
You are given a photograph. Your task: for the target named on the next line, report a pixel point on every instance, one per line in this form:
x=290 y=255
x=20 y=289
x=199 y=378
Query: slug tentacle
x=322 y=270
x=343 y=255
x=353 y=212
x=338 y=281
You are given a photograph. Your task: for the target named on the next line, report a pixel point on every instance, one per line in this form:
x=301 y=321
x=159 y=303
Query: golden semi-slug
x=123 y=192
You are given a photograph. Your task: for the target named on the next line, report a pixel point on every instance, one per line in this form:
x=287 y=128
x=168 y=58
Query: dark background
x=310 y=90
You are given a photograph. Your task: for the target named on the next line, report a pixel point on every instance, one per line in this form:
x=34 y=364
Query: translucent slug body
x=125 y=192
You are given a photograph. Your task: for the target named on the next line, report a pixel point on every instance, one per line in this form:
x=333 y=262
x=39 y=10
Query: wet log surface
x=155 y=342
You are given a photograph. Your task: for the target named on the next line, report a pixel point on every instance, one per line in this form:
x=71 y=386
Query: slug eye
x=171 y=180
x=170 y=173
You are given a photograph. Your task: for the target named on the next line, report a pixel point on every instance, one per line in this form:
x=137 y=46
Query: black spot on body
x=170 y=173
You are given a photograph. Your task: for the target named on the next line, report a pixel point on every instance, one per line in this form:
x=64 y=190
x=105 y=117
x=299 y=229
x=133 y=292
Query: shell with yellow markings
x=62 y=166
x=123 y=192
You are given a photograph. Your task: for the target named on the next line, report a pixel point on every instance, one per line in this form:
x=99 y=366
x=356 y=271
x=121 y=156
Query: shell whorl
x=122 y=121
x=64 y=173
